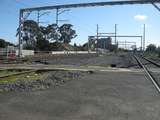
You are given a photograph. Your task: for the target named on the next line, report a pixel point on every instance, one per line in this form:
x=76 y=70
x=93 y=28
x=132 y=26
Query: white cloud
x=140 y=17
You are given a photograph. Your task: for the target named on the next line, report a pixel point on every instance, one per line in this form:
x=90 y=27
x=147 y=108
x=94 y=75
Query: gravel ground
x=98 y=96
x=120 y=60
x=52 y=78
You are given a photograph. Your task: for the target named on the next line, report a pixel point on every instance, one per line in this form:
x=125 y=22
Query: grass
x=24 y=77
x=6 y=72
x=151 y=55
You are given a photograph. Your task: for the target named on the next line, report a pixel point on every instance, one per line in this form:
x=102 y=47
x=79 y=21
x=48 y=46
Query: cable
x=84 y=25
x=20 y=3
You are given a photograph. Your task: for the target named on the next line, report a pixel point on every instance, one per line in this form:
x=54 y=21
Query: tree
x=151 y=48
x=67 y=33
x=53 y=34
x=30 y=31
x=4 y=44
x=37 y=37
x=42 y=44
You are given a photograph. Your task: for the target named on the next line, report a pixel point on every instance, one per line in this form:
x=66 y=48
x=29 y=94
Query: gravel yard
x=120 y=60
x=37 y=81
x=110 y=94
x=98 y=96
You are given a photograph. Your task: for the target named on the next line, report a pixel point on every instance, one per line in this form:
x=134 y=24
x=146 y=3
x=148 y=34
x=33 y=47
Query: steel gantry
x=80 y=5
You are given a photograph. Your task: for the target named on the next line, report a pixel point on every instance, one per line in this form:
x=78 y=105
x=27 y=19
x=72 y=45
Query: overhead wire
x=83 y=25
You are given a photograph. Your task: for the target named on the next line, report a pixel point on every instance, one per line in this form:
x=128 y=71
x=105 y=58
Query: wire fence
x=8 y=55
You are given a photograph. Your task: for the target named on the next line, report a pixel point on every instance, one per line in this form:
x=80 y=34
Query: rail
x=152 y=78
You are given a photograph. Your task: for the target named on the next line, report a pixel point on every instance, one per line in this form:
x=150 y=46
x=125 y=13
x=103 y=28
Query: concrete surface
x=98 y=96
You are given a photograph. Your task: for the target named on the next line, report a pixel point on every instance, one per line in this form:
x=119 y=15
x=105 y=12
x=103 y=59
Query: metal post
x=144 y=36
x=97 y=38
x=141 y=44
x=57 y=15
x=88 y=44
x=20 y=33
x=115 y=34
x=158 y=8
x=38 y=16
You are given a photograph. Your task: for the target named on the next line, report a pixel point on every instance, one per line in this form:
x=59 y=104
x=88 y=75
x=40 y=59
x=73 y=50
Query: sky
x=129 y=19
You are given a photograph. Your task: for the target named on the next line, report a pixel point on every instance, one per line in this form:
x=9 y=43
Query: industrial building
x=100 y=43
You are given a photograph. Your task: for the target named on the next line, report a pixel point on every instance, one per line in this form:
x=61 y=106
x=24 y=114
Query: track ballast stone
x=53 y=78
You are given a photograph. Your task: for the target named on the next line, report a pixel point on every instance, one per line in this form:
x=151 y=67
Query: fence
x=72 y=52
x=7 y=55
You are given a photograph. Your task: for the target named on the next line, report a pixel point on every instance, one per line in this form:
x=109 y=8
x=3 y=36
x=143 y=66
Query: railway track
x=142 y=63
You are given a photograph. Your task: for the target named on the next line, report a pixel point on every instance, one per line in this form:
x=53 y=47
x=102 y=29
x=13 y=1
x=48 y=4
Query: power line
x=20 y=3
x=83 y=25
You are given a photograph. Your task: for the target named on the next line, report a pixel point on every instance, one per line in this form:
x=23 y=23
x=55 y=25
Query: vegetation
x=39 y=37
x=152 y=50
x=24 y=77
x=4 y=43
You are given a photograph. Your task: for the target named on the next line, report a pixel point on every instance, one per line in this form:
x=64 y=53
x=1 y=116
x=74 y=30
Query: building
x=101 y=43
x=104 y=43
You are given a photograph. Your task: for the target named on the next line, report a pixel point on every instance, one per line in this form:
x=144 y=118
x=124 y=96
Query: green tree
x=42 y=44
x=39 y=38
x=151 y=48
x=67 y=33
x=4 y=43
x=30 y=31
x=53 y=34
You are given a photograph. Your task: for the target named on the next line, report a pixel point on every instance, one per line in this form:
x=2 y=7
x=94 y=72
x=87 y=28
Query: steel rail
x=155 y=83
x=151 y=61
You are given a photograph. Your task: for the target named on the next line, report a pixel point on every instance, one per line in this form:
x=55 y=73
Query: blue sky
x=129 y=19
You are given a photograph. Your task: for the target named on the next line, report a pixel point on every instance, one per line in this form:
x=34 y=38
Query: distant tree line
x=152 y=49
x=45 y=38
x=4 y=43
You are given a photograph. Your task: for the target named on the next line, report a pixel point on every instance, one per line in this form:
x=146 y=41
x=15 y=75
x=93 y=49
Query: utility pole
x=97 y=38
x=57 y=16
x=97 y=31
x=38 y=16
x=21 y=20
x=144 y=36
x=88 y=44
x=141 y=44
x=115 y=34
